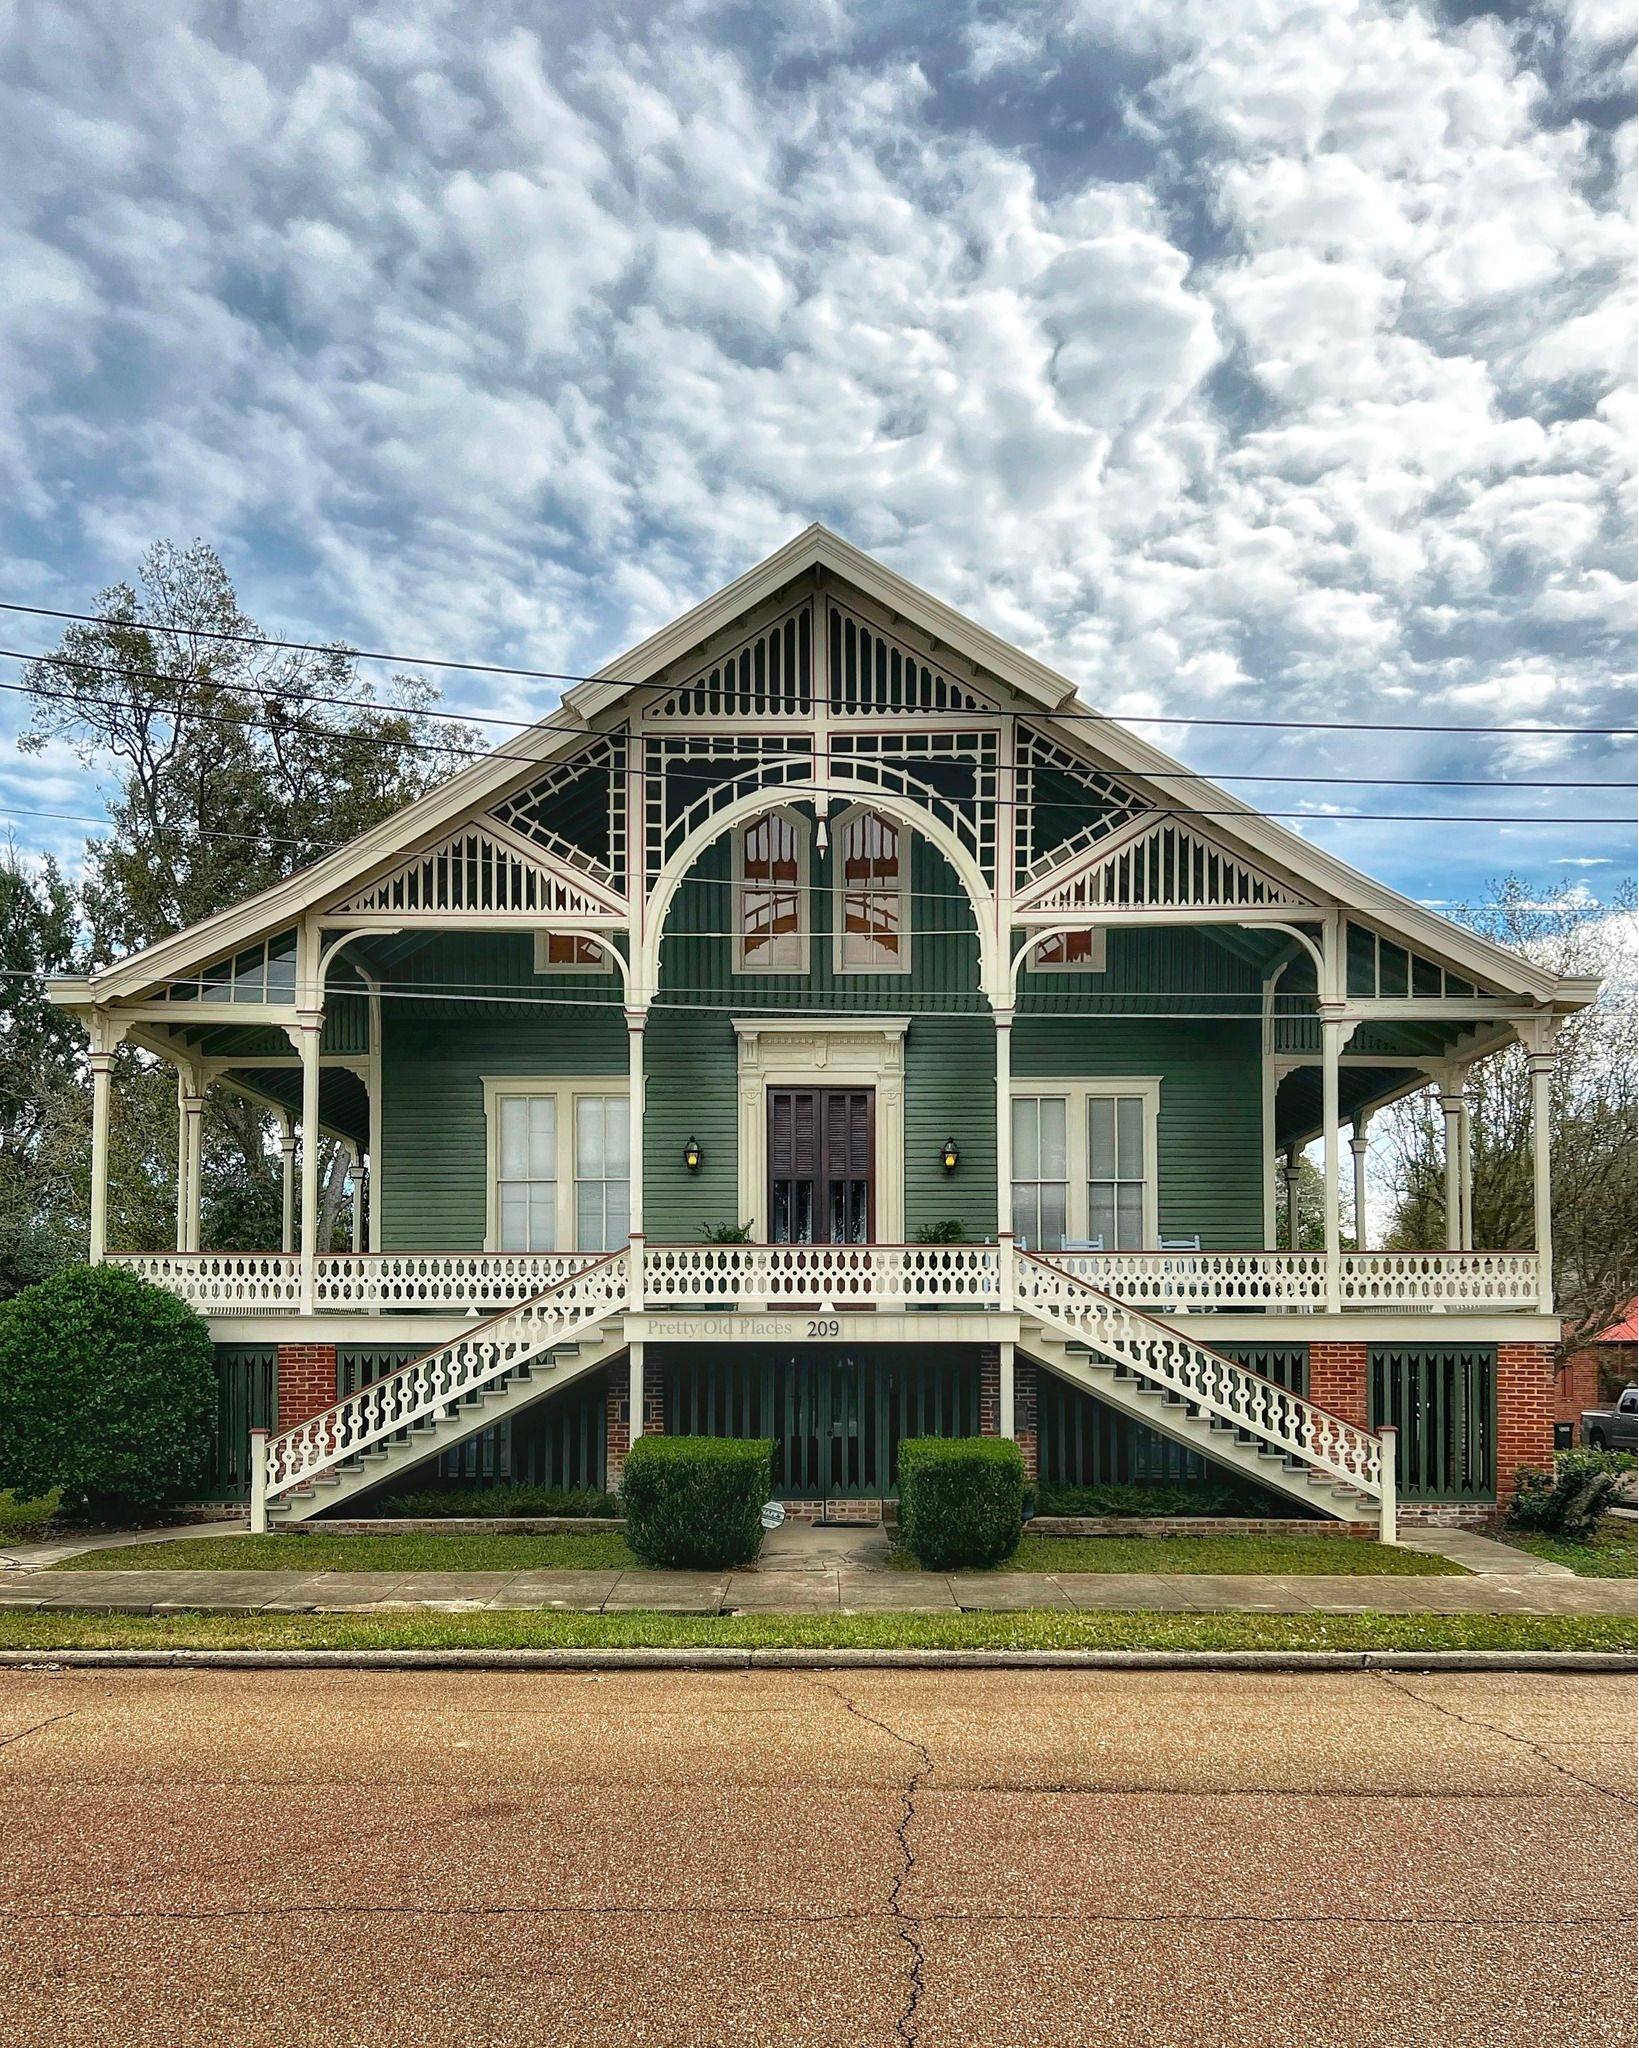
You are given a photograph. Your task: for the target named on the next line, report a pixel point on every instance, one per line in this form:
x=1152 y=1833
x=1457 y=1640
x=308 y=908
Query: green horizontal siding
x=691 y=1069
x=950 y=1092
x=434 y=1153
x=1211 y=1128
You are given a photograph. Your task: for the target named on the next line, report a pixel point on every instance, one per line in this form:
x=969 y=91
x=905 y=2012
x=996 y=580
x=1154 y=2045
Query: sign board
x=773 y=1514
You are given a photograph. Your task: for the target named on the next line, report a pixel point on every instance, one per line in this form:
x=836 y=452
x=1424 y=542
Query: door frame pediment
x=813 y=1052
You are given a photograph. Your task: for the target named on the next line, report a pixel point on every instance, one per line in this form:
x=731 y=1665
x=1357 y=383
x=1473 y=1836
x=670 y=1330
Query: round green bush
x=694 y=1503
x=107 y=1392
x=961 y=1500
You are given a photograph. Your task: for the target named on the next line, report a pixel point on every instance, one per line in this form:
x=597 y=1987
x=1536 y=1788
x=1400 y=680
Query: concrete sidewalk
x=820 y=1589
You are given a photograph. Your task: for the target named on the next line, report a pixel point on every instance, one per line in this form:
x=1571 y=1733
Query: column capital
x=1542 y=1062
x=1360 y=1144
x=637 y=1016
x=1003 y=1014
x=193 y=1104
x=100 y=1062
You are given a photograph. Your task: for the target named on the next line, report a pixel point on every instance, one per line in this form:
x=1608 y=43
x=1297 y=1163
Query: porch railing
x=824 y=1276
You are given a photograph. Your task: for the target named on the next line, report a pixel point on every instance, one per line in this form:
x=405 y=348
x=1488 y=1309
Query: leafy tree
x=1595 y=1133
x=234 y=766
x=40 y=1049
x=107 y=1393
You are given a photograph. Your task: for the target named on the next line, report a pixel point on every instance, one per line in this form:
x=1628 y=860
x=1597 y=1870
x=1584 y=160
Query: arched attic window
x=873 y=895
x=771 y=894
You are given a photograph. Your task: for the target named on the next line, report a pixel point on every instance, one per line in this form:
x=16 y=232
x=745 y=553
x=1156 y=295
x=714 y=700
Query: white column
x=356 y=1170
x=1004 y=1152
x=1331 y=1033
x=1359 y=1144
x=102 y=1067
x=1542 y=1129
x=373 y=1150
x=308 y=1035
x=634 y=1391
x=637 y=1018
x=194 y=1107
x=181 y=1161
x=1005 y=1422
x=1465 y=1152
x=287 y=1185
x=1293 y=1172
x=1451 y=1108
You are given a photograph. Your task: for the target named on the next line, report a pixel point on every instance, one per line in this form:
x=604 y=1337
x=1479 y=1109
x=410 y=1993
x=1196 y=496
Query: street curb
x=712 y=1659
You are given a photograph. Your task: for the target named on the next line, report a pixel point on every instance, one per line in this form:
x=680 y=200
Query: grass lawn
x=1330 y=1556
x=1611 y=1554
x=596 y=1551
x=1032 y=1630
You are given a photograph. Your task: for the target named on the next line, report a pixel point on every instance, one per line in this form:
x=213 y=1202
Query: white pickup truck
x=1613 y=1429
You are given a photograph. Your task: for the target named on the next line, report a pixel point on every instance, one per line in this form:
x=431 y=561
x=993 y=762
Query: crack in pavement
x=1397 y=1684
x=907 y=1925
x=50 y=1721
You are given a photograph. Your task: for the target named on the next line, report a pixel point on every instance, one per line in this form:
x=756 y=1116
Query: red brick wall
x=616 y=1429
x=990 y=1390
x=1337 y=1380
x=1024 y=1414
x=1525 y=1411
x=307 y=1381
x=1576 y=1386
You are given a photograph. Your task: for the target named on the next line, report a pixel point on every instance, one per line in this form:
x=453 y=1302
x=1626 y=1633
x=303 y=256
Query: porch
x=831 y=1278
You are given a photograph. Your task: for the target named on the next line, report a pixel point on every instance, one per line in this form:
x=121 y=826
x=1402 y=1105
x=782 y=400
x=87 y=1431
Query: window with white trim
x=1085 y=1164
x=1070 y=953
x=770 y=895
x=559 y=1165
x=569 y=953
x=873 y=895
x=1041 y=1171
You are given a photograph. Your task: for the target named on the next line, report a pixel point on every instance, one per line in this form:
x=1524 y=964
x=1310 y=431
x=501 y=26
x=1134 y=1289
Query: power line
x=322 y=732
x=564 y=676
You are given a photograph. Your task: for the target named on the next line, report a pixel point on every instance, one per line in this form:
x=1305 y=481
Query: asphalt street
x=1030 y=1857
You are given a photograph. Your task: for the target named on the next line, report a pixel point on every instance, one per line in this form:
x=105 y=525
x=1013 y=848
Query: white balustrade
x=1440 y=1281
x=1210 y=1383
x=435 y=1383
x=821 y=1275
x=1164 y=1282
x=842 y=1276
x=383 y=1281
x=222 y=1283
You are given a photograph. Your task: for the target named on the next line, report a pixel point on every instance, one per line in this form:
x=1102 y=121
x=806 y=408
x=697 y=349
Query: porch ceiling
x=344 y=1103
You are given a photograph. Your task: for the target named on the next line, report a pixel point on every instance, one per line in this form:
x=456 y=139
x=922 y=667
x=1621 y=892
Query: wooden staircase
x=440 y=1399
x=1155 y=1372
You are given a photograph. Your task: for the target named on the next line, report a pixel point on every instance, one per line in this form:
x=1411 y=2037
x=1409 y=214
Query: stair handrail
x=416 y=1389
x=1250 y=1400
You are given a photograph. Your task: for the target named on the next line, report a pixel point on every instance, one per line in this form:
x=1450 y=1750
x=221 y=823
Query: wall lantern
x=692 y=1155
x=948 y=1155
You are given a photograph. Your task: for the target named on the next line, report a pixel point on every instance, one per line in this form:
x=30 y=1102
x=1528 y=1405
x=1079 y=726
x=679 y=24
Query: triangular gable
x=1163 y=865
x=479 y=872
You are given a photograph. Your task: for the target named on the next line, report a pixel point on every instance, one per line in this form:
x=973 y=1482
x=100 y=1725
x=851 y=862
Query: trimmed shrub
x=695 y=1502
x=477 y=1498
x=961 y=1500
x=107 y=1393
x=1569 y=1498
x=1204 y=1498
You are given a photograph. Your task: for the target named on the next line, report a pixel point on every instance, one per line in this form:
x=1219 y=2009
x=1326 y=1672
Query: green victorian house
x=824 y=1027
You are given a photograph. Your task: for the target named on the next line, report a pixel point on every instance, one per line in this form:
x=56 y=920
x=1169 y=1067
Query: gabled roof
x=817 y=548
x=1625 y=1330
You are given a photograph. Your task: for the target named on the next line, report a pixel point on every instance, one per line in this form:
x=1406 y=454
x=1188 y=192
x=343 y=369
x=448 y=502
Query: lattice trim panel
x=875 y=676
x=768 y=675
x=1061 y=804
x=688 y=780
x=952 y=775
x=473 y=871
x=576 y=809
x=1166 y=866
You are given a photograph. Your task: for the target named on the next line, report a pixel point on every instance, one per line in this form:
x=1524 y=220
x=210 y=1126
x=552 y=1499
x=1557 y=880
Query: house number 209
x=824 y=1326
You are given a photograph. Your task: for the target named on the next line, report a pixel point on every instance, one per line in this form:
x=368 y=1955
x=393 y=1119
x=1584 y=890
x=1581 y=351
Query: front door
x=821 y=1165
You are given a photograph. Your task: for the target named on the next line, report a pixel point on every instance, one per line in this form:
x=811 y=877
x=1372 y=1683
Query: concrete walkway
x=818 y=1589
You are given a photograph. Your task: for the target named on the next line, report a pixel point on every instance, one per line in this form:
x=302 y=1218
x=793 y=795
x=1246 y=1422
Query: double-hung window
x=1084 y=1164
x=559 y=1166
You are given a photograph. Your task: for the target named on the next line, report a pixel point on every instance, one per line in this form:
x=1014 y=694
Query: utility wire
x=322 y=732
x=563 y=676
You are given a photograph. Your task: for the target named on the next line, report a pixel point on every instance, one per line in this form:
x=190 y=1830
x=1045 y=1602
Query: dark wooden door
x=821 y=1165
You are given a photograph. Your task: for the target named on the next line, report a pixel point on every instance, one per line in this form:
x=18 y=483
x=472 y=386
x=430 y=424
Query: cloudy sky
x=1241 y=357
